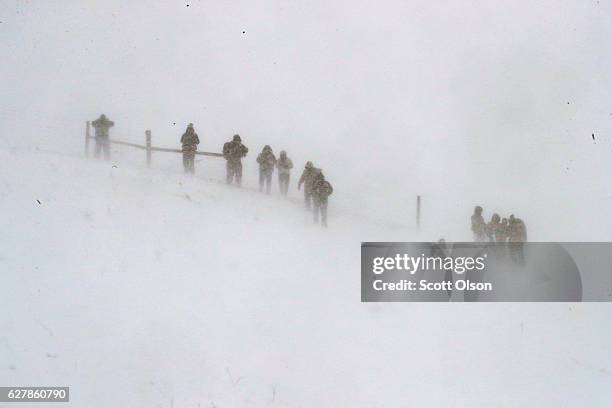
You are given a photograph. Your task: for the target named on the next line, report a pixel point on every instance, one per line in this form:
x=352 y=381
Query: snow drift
x=144 y=287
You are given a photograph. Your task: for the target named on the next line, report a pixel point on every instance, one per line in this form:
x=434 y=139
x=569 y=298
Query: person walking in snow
x=233 y=152
x=267 y=161
x=307 y=178
x=190 y=142
x=284 y=166
x=101 y=126
x=321 y=190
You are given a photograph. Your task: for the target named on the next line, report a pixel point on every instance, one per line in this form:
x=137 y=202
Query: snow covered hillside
x=146 y=288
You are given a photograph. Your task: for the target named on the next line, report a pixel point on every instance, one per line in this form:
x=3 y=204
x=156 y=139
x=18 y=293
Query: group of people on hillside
x=500 y=230
x=316 y=188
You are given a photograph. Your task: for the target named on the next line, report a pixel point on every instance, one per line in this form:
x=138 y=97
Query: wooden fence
x=147 y=147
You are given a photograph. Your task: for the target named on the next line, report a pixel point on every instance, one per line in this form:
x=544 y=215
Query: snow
x=145 y=287
x=142 y=287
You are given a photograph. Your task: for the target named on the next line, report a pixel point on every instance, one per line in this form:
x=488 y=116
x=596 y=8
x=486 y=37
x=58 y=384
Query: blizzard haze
x=464 y=103
x=218 y=297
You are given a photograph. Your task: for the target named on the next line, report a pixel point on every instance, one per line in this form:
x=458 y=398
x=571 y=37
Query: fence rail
x=147 y=146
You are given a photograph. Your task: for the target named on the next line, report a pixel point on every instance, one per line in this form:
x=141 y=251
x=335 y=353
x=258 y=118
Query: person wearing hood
x=492 y=227
x=190 y=141
x=502 y=231
x=101 y=126
x=284 y=166
x=233 y=152
x=308 y=176
x=267 y=161
x=478 y=225
x=321 y=190
x=517 y=236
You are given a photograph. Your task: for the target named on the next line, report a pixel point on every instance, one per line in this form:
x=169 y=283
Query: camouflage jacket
x=266 y=161
x=101 y=126
x=491 y=229
x=190 y=140
x=234 y=151
x=308 y=177
x=501 y=232
x=517 y=231
x=478 y=224
x=322 y=189
x=284 y=166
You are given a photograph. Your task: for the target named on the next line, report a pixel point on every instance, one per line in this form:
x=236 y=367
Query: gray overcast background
x=490 y=103
x=463 y=102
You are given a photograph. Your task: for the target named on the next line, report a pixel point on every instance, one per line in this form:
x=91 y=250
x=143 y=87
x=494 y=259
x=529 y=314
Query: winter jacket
x=284 y=166
x=101 y=126
x=308 y=177
x=266 y=160
x=321 y=189
x=517 y=231
x=190 y=140
x=234 y=151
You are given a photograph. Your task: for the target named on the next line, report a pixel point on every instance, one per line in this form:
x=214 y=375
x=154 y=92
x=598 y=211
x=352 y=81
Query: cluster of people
x=500 y=230
x=316 y=188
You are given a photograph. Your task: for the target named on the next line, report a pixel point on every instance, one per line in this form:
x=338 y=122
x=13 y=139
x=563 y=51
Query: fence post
x=87 y=139
x=418 y=212
x=148 y=146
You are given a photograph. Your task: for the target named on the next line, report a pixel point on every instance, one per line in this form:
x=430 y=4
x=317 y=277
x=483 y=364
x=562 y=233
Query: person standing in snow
x=190 y=142
x=321 y=190
x=501 y=234
x=284 y=165
x=517 y=236
x=492 y=227
x=478 y=225
x=267 y=161
x=233 y=152
x=517 y=230
x=101 y=126
x=307 y=178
